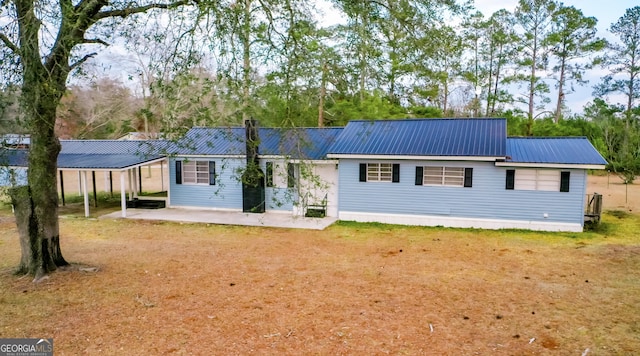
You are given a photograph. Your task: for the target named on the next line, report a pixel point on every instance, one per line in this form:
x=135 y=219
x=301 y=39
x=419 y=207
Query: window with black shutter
x=564 y=181
x=419 y=175
x=269 y=174
x=395 y=175
x=212 y=173
x=468 y=177
x=178 y=172
x=511 y=179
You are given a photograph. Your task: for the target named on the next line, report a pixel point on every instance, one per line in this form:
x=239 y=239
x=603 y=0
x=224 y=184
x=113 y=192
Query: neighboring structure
x=17 y=141
x=13 y=163
x=448 y=172
x=13 y=159
x=461 y=173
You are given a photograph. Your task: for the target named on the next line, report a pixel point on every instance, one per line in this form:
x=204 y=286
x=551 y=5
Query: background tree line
x=275 y=61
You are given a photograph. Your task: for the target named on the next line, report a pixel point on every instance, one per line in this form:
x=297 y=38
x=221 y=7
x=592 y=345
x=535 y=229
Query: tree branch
x=9 y=44
x=95 y=41
x=135 y=10
x=82 y=60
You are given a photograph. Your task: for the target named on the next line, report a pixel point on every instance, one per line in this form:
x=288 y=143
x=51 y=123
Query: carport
x=125 y=164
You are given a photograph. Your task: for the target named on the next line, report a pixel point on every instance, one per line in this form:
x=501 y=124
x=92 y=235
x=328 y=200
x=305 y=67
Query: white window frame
x=379 y=172
x=443 y=176
x=537 y=179
x=195 y=172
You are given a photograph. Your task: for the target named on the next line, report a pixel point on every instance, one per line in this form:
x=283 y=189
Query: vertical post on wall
x=86 y=194
x=123 y=195
x=111 y=183
x=62 y=187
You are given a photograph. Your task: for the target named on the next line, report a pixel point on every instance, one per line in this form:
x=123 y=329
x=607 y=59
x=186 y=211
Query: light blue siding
x=487 y=199
x=225 y=194
x=279 y=199
x=13 y=176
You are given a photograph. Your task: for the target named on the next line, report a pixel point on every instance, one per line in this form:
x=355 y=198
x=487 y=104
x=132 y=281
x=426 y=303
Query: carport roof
x=80 y=161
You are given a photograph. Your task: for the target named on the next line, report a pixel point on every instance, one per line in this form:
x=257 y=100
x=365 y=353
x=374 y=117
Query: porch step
x=316 y=212
x=146 y=204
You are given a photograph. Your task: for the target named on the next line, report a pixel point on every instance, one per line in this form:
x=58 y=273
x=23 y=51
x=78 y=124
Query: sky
x=606 y=11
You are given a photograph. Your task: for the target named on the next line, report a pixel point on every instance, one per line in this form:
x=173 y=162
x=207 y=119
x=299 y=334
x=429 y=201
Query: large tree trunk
x=37 y=204
x=42 y=88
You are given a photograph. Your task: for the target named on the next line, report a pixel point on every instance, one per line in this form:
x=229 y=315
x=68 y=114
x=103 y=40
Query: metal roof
x=90 y=159
x=553 y=150
x=133 y=147
x=102 y=161
x=301 y=143
x=424 y=137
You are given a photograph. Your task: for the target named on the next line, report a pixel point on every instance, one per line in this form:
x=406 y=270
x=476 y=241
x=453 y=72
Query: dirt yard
x=615 y=194
x=353 y=289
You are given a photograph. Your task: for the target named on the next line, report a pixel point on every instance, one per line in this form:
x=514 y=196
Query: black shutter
x=564 y=181
x=269 y=174
x=212 y=173
x=395 y=173
x=363 y=172
x=419 y=175
x=178 y=172
x=468 y=177
x=511 y=179
x=291 y=175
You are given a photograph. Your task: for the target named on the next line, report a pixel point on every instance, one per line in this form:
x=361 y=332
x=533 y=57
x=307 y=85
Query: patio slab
x=268 y=219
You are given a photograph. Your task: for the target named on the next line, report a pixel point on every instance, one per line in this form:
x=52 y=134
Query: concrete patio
x=269 y=219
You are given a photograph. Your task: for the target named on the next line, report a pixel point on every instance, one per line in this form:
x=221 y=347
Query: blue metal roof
x=550 y=150
x=424 y=137
x=134 y=147
x=88 y=160
x=103 y=161
x=300 y=143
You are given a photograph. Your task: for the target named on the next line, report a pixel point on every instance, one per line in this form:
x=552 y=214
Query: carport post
x=123 y=196
x=86 y=194
x=62 y=187
x=140 y=179
x=95 y=193
x=129 y=185
x=162 y=176
x=79 y=182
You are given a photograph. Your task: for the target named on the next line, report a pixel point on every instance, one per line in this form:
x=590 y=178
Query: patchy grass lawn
x=166 y=288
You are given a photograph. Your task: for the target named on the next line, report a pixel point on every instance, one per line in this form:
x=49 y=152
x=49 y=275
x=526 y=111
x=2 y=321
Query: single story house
x=433 y=172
